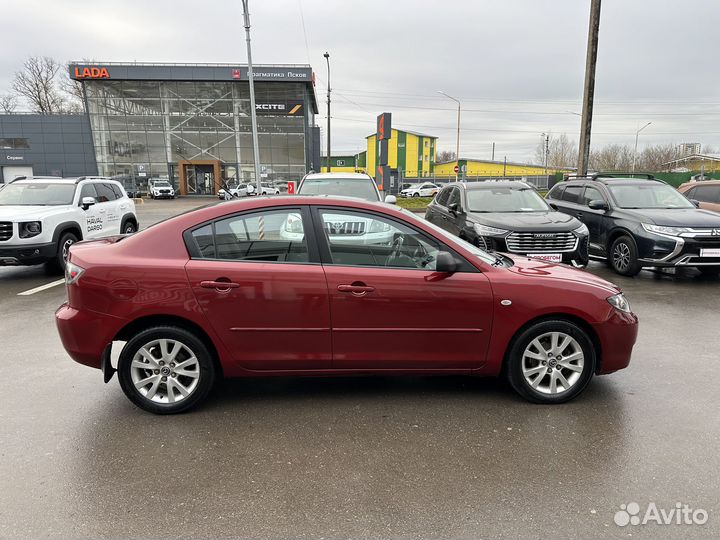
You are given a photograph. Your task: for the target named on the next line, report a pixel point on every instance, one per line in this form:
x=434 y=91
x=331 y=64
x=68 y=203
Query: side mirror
x=597 y=205
x=87 y=202
x=695 y=202
x=455 y=208
x=391 y=199
x=446 y=263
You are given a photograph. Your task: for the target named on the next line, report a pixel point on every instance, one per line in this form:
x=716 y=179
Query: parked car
x=282 y=185
x=706 y=192
x=358 y=185
x=509 y=217
x=219 y=292
x=235 y=190
x=426 y=189
x=636 y=223
x=162 y=189
x=268 y=189
x=40 y=218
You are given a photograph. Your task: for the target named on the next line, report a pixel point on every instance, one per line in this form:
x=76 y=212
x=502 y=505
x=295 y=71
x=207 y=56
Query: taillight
x=72 y=273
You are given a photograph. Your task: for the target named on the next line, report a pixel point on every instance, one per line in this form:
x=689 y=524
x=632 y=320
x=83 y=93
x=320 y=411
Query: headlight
x=484 y=230
x=293 y=224
x=379 y=226
x=660 y=229
x=619 y=302
x=30 y=229
x=582 y=230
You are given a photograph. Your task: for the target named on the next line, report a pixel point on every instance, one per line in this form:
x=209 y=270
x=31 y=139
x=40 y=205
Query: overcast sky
x=516 y=65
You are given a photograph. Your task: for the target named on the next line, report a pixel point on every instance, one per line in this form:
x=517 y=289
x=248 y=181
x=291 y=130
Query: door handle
x=579 y=215
x=358 y=290
x=220 y=285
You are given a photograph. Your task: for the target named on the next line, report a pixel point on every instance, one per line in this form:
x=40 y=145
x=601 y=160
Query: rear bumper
x=86 y=334
x=28 y=254
x=617 y=337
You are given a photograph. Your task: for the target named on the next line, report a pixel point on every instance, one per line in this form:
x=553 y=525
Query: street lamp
x=457 y=145
x=327 y=58
x=251 y=80
x=637 y=133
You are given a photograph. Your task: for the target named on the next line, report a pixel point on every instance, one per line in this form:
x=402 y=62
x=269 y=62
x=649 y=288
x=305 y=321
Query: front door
x=253 y=278
x=94 y=214
x=389 y=308
x=594 y=220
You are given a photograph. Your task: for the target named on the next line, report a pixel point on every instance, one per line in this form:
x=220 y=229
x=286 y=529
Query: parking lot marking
x=42 y=287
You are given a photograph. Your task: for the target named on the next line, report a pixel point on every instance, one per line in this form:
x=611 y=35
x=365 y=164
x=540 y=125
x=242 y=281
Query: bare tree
x=8 y=103
x=562 y=152
x=445 y=155
x=612 y=157
x=655 y=158
x=37 y=84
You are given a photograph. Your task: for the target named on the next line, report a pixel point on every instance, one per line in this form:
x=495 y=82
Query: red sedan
x=329 y=286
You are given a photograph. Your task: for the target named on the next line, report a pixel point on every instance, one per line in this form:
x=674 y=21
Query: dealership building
x=189 y=123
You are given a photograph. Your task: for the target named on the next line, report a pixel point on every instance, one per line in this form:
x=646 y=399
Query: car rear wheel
x=166 y=370
x=623 y=256
x=551 y=362
x=129 y=228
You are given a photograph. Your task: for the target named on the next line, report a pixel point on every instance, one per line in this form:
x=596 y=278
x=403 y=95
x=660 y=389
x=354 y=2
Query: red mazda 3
x=330 y=286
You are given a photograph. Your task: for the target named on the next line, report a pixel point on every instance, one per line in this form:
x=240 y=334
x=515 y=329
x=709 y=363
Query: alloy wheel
x=129 y=228
x=165 y=371
x=553 y=363
x=621 y=256
x=66 y=248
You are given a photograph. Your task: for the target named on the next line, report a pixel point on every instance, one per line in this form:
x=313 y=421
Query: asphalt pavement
x=386 y=457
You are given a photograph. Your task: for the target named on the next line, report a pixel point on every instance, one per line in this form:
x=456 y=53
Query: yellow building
x=478 y=167
x=348 y=163
x=694 y=162
x=408 y=151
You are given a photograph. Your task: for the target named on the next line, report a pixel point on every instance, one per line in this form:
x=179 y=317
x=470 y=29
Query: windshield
x=161 y=184
x=504 y=199
x=453 y=240
x=344 y=187
x=37 y=194
x=651 y=195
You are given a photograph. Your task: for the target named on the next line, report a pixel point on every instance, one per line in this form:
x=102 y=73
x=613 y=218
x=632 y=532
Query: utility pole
x=589 y=92
x=327 y=58
x=457 y=143
x=493 y=153
x=505 y=167
x=253 y=115
x=637 y=134
x=546 y=147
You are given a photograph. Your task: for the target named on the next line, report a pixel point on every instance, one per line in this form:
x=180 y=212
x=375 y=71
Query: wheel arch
x=128 y=217
x=129 y=330
x=65 y=227
x=617 y=233
x=579 y=321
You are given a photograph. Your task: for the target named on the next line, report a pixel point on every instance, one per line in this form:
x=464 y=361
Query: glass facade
x=150 y=129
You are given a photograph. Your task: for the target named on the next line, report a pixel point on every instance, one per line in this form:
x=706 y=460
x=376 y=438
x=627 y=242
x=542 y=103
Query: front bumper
x=578 y=255
x=26 y=254
x=86 y=334
x=670 y=251
x=617 y=335
x=164 y=195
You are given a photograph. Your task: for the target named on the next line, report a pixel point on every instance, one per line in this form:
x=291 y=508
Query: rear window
x=572 y=194
x=360 y=188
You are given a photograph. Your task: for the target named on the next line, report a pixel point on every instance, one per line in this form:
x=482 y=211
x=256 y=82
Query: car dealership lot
x=380 y=457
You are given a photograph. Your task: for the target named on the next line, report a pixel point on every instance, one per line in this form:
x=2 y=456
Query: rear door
x=391 y=310
x=257 y=278
x=437 y=209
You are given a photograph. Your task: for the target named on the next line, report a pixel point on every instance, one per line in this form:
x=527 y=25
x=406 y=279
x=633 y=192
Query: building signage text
x=91 y=73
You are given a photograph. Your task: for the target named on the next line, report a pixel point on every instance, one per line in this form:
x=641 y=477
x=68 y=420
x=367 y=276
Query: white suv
x=40 y=218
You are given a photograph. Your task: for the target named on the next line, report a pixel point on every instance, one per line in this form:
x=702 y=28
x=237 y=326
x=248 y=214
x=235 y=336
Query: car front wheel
x=551 y=362
x=624 y=256
x=166 y=370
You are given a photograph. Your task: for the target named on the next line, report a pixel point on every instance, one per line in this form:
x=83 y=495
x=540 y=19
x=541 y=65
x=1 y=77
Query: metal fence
x=541 y=182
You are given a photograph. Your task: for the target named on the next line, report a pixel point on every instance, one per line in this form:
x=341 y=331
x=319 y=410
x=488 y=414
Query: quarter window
x=271 y=236
x=361 y=239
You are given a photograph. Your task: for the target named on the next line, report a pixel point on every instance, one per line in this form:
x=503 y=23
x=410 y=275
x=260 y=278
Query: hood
x=549 y=221
x=26 y=213
x=676 y=217
x=542 y=269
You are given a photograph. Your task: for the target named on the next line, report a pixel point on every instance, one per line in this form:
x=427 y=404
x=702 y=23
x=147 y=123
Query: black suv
x=509 y=217
x=640 y=222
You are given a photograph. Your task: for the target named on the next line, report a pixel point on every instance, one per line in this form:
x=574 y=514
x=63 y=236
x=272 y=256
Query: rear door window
x=105 y=192
x=572 y=194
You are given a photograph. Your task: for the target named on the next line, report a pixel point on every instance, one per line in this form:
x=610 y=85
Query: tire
x=709 y=271
x=197 y=381
x=623 y=256
x=58 y=263
x=416 y=194
x=128 y=228
x=530 y=378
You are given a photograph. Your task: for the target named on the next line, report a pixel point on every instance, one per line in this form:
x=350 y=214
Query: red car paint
x=291 y=318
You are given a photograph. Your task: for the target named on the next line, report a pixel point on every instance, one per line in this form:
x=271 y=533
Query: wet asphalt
x=418 y=457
